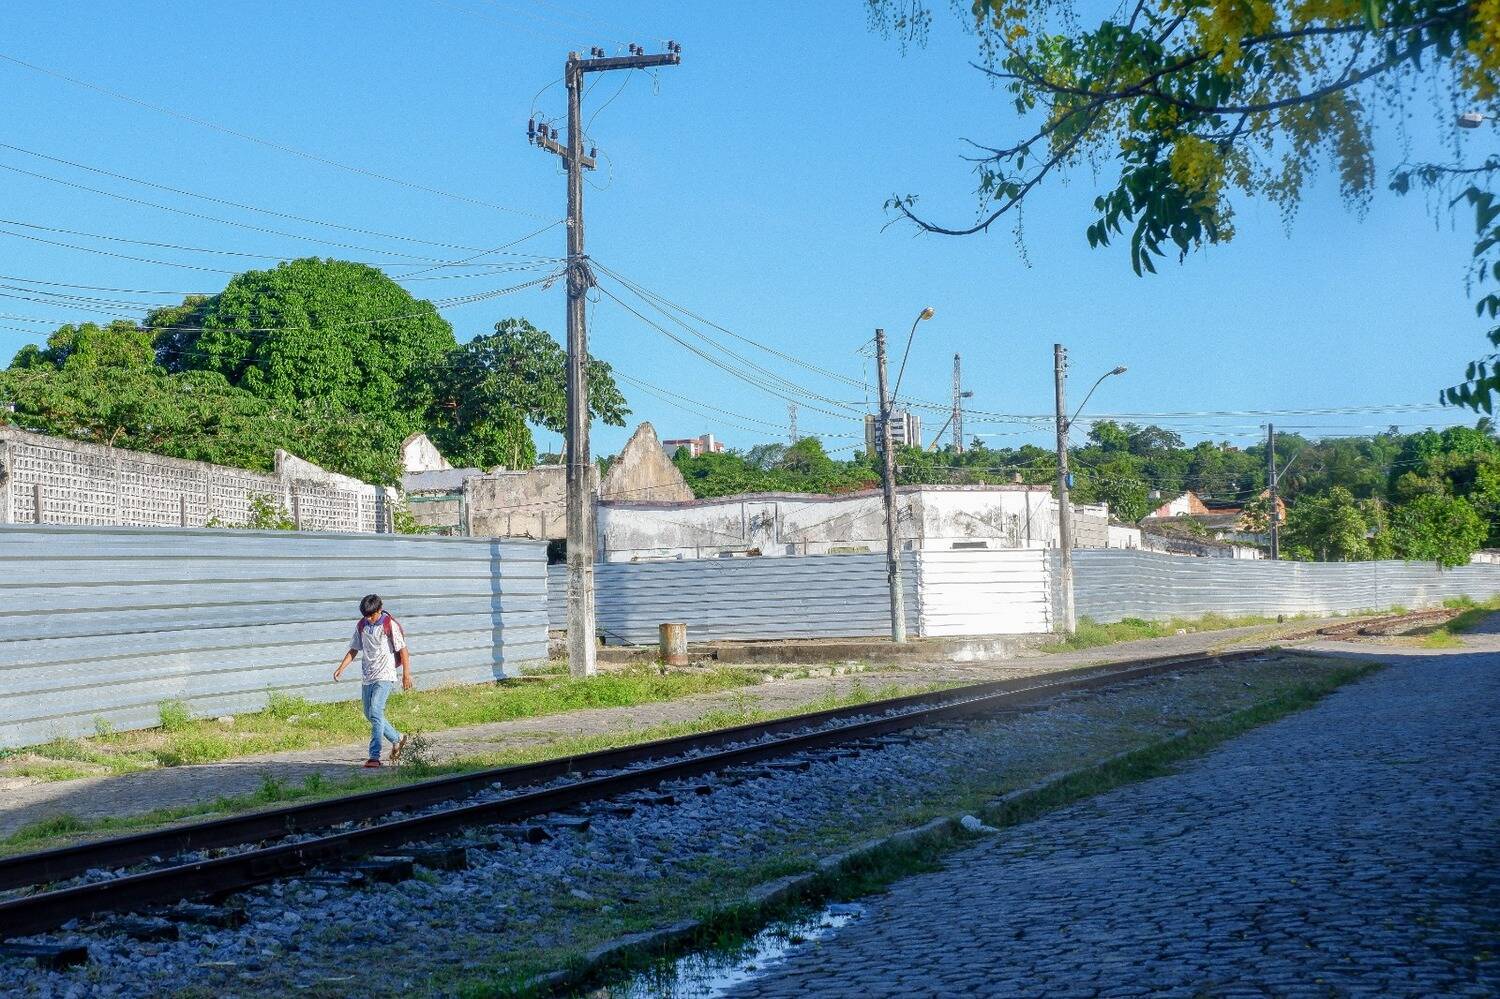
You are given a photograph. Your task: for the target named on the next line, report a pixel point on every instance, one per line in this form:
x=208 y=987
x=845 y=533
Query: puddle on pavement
x=707 y=974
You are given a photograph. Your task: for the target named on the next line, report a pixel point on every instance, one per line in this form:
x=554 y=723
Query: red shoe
x=372 y=764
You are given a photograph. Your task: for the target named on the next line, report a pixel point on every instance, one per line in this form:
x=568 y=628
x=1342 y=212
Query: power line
x=234 y=204
x=269 y=143
x=729 y=369
x=766 y=373
x=646 y=293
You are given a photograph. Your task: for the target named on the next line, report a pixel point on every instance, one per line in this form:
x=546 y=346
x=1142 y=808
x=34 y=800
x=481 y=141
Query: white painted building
x=931 y=518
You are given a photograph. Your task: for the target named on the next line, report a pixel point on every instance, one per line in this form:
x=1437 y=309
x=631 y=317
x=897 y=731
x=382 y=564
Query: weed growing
x=289 y=723
x=1091 y=634
x=417 y=764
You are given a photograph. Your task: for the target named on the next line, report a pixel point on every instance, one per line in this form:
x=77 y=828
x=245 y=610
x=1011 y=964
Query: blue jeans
x=373 y=696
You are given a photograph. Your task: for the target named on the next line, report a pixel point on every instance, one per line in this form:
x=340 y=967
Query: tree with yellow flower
x=1202 y=102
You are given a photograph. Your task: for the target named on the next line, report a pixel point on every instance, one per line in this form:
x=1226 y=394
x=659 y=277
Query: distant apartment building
x=696 y=446
x=906 y=431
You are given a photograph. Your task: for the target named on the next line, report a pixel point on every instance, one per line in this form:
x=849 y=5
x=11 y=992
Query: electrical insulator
x=593 y=152
x=531 y=129
x=554 y=135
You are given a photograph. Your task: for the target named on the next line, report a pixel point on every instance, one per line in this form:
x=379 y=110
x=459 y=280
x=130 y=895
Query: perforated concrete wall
x=89 y=485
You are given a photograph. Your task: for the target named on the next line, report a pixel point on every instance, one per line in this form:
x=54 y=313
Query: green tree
x=339 y=332
x=804 y=467
x=1443 y=529
x=1118 y=483
x=100 y=384
x=1331 y=527
x=484 y=393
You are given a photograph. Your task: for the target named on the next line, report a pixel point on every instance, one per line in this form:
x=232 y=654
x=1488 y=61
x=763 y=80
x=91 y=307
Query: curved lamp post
x=1064 y=510
x=924 y=314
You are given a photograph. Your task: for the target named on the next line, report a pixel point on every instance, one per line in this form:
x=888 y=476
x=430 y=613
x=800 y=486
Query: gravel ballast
x=525 y=908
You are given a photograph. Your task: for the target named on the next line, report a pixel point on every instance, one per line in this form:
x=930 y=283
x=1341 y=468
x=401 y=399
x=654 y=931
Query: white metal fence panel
x=984 y=592
x=105 y=624
x=813 y=596
x=1113 y=584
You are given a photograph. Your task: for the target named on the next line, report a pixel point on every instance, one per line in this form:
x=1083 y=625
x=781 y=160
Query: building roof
x=447 y=480
x=999 y=487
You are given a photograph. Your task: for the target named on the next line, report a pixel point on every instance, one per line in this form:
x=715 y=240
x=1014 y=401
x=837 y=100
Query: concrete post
x=38 y=497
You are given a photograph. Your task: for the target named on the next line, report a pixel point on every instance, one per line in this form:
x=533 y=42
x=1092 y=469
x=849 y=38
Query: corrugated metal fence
x=813 y=596
x=107 y=623
x=986 y=592
x=1112 y=584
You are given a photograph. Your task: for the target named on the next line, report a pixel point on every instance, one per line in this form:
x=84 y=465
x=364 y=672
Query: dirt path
x=133 y=794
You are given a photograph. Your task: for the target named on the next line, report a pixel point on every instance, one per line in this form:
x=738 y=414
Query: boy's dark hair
x=369 y=605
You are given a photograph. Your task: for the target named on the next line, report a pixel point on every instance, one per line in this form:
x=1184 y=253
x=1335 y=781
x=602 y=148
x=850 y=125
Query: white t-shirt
x=376 y=658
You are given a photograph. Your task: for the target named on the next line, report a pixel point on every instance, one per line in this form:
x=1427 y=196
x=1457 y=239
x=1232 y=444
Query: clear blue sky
x=746 y=184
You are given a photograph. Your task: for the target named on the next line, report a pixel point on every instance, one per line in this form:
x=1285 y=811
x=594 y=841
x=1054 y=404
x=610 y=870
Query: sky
x=746 y=185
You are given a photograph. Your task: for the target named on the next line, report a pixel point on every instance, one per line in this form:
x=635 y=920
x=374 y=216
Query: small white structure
x=702 y=444
x=1124 y=536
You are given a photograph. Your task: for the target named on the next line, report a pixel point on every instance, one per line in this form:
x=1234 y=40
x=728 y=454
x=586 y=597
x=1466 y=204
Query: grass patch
x=1471 y=614
x=728 y=927
x=63 y=829
x=290 y=723
x=1091 y=634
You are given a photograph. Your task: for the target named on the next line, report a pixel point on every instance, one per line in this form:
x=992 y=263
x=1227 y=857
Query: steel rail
x=61 y=863
x=48 y=909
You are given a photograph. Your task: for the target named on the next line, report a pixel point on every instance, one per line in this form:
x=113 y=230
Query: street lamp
x=1064 y=510
x=924 y=314
x=1087 y=395
x=1472 y=119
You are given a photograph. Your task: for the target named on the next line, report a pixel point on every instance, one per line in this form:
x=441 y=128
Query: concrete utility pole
x=1274 y=517
x=1064 y=511
x=888 y=486
x=791 y=419
x=582 y=652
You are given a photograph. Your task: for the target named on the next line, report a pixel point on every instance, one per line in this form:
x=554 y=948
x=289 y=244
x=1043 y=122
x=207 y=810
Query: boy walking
x=380 y=644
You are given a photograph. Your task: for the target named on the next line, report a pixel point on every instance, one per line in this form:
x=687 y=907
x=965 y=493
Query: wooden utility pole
x=1274 y=516
x=888 y=487
x=582 y=652
x=1064 y=511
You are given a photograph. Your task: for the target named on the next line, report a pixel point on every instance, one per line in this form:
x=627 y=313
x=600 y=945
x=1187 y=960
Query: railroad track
x=209 y=861
x=1385 y=625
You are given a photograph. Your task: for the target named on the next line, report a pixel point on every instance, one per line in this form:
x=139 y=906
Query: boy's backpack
x=385 y=625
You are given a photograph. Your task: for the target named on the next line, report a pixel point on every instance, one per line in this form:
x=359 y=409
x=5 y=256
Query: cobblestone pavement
x=1349 y=850
x=131 y=794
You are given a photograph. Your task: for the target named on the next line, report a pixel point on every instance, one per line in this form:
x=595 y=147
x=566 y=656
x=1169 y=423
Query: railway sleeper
x=520 y=834
x=441 y=858
x=48 y=956
x=570 y=823
x=387 y=870
x=224 y=917
x=144 y=930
